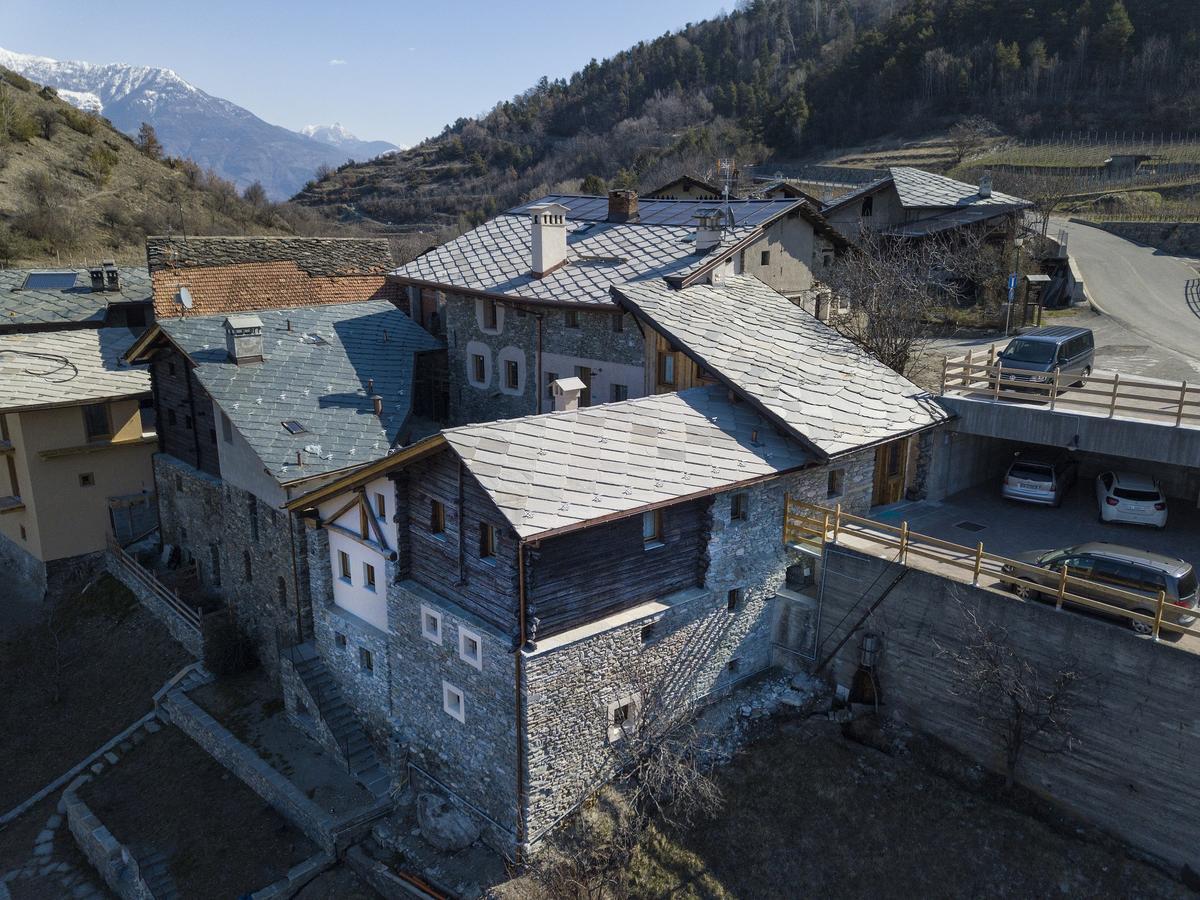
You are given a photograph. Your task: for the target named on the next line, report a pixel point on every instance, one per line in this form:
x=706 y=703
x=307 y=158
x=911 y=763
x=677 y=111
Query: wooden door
x=890 y=461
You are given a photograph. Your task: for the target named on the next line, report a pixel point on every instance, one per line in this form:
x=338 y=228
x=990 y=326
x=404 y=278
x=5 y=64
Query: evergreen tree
x=147 y=141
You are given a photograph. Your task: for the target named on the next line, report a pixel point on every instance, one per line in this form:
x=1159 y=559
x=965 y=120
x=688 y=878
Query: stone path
x=45 y=868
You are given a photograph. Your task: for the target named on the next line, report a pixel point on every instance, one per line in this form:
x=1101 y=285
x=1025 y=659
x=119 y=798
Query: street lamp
x=1016 y=275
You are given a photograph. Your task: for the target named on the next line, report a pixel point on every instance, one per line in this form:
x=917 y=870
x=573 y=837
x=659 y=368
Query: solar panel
x=49 y=281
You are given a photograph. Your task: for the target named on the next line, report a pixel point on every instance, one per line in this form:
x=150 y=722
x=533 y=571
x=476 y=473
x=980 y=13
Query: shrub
x=17 y=81
x=21 y=127
x=78 y=120
x=100 y=162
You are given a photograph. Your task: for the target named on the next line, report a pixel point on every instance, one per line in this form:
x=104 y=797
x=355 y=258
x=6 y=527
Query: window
x=837 y=483
x=365 y=662
x=227 y=429
x=490 y=318
x=479 y=368
x=764 y=258
x=733 y=599
x=247 y=566
x=868 y=207
x=551 y=377
x=584 y=374
x=87 y=479
x=339 y=639
x=623 y=717
x=431 y=624
x=147 y=416
x=369 y=576
x=470 y=647
x=95 y=421
x=733 y=665
x=453 y=702
x=487 y=541
x=512 y=374
x=13 y=484
x=437 y=517
x=618 y=322
x=344 y=566
x=666 y=367
x=619 y=392
x=291 y=426
x=281 y=591
x=652 y=528
x=364 y=525
x=380 y=506
x=739 y=506
x=572 y=318
x=649 y=630
x=24 y=536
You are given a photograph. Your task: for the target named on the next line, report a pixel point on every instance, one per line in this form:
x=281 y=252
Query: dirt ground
x=69 y=688
x=169 y=796
x=811 y=814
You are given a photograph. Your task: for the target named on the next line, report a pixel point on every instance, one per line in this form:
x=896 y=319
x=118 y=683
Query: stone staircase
x=341 y=722
x=156 y=874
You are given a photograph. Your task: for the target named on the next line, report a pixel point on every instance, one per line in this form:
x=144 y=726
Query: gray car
x=1124 y=568
x=1039 y=475
x=1072 y=351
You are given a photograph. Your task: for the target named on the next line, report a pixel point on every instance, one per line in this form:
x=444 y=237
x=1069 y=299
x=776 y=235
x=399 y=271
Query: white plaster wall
x=604 y=375
x=352 y=596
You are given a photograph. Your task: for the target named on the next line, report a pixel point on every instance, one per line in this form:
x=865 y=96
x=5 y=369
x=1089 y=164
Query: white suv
x=1129 y=497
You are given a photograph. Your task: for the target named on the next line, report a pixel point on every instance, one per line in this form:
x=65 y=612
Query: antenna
x=725 y=167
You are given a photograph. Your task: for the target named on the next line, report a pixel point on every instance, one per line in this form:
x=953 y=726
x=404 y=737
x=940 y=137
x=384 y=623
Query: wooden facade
x=184 y=411
x=669 y=370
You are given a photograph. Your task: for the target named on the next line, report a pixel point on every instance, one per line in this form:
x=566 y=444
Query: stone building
x=544 y=578
x=686 y=187
x=524 y=298
x=101 y=296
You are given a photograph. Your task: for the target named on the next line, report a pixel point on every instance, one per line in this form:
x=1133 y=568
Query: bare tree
x=1024 y=705
x=256 y=195
x=969 y=136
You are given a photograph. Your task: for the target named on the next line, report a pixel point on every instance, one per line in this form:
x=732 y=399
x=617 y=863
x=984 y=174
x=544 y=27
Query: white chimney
x=549 y=245
x=243 y=339
x=708 y=228
x=985 y=185
x=566 y=393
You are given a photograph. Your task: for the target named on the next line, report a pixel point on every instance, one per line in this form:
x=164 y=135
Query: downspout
x=462 y=547
x=537 y=388
x=519 y=711
x=295 y=579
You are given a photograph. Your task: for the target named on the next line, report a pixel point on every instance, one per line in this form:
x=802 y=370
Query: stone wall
x=107 y=855
x=24 y=577
x=232 y=534
x=1130 y=766
x=191 y=639
x=1180 y=238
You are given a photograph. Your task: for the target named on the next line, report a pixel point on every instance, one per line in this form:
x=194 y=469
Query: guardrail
x=1175 y=402
x=191 y=615
x=811 y=526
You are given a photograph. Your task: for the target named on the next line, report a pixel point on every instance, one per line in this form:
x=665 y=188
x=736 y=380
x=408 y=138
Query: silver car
x=1039 y=476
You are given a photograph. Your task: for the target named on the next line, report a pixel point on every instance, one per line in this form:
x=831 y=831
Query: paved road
x=1153 y=294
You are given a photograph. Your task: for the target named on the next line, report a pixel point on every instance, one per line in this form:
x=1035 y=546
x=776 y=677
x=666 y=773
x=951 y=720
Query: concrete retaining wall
x=1182 y=238
x=107 y=855
x=1132 y=768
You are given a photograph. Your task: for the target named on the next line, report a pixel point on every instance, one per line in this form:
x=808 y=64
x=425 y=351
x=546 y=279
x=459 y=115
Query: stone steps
x=156 y=873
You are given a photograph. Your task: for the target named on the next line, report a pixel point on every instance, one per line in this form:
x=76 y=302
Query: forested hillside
x=786 y=79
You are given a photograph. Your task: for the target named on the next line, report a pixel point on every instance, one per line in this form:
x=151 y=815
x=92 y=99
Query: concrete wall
x=1132 y=765
x=790 y=243
x=885 y=212
x=1181 y=238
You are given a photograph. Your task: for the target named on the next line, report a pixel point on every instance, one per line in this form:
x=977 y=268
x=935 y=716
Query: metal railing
x=810 y=526
x=192 y=616
x=1174 y=403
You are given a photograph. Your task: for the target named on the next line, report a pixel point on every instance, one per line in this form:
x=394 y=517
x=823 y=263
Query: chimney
x=985 y=185
x=96 y=273
x=112 y=276
x=377 y=405
x=243 y=339
x=709 y=227
x=548 y=248
x=566 y=393
x=622 y=206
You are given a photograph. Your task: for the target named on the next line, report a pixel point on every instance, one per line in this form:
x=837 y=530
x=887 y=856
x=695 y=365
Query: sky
x=394 y=71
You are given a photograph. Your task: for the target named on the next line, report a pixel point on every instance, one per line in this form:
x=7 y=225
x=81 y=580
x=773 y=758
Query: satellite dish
x=185 y=297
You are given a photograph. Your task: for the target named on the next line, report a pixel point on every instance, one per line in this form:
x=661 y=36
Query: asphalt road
x=1156 y=296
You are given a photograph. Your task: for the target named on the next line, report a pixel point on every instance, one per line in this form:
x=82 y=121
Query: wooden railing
x=1173 y=403
x=191 y=615
x=810 y=526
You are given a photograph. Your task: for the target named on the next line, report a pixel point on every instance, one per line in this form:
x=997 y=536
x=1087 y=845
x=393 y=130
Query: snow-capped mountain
x=213 y=132
x=356 y=149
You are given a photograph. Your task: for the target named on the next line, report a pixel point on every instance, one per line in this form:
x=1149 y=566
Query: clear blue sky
x=394 y=71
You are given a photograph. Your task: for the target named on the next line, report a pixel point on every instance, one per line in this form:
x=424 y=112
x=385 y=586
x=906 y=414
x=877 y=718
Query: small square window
x=380 y=506
x=624 y=715
x=649 y=632
x=734 y=599
x=619 y=392
x=739 y=506
x=437 y=517
x=431 y=624
x=490 y=317
x=479 y=367
x=365 y=661
x=339 y=639
x=453 y=702
x=666 y=367
x=652 y=528
x=837 y=480
x=487 y=541
x=618 y=322
x=572 y=318
x=87 y=479
x=96 y=422
x=344 y=566
x=765 y=258
x=470 y=647
x=512 y=374
x=368 y=576
x=23 y=534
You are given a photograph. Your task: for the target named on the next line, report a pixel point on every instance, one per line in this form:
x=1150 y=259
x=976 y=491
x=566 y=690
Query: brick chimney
x=622 y=206
x=548 y=247
x=243 y=339
x=566 y=393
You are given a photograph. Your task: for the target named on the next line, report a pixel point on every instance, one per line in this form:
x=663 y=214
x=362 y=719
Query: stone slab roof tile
x=21 y=306
x=62 y=368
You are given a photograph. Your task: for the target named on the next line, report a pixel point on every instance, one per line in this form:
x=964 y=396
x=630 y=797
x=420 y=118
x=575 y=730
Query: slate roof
x=651 y=211
x=684 y=181
x=64 y=368
x=77 y=305
x=557 y=470
x=918 y=189
x=315 y=374
x=813 y=381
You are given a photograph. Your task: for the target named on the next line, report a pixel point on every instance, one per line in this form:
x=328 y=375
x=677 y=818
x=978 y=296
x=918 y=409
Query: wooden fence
x=1170 y=402
x=810 y=526
x=191 y=615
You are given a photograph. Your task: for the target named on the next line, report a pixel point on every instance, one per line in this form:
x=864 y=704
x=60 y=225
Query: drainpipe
x=295 y=580
x=537 y=388
x=519 y=711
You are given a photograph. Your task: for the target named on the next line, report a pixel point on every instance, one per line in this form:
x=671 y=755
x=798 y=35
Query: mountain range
x=213 y=132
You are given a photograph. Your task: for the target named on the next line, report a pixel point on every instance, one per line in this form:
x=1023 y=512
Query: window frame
x=437 y=517
x=428 y=612
x=448 y=691
x=764 y=258
x=618 y=322
x=345 y=572
x=652 y=537
x=739 y=506
x=380 y=505
x=488 y=541
x=369 y=582
x=479 y=368
x=467 y=634
x=667 y=365
x=88 y=409
x=491 y=315
x=571 y=318
x=734 y=599
x=835 y=484
x=512 y=374
x=620 y=728
x=366 y=660
x=618 y=392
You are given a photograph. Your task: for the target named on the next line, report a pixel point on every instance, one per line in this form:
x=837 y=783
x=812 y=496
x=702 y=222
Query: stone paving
x=45 y=866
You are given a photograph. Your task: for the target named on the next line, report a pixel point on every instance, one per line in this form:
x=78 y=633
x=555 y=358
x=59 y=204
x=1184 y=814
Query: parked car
x=1071 y=351
x=1129 y=497
x=1039 y=476
x=1112 y=565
